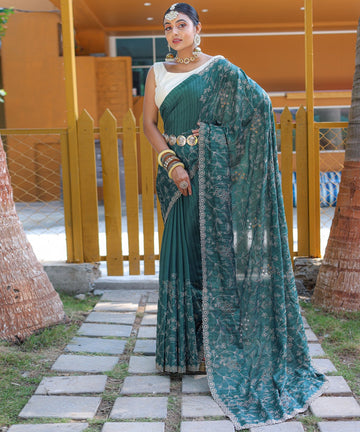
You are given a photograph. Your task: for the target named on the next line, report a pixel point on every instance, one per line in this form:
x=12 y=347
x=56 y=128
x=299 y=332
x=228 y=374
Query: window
x=144 y=51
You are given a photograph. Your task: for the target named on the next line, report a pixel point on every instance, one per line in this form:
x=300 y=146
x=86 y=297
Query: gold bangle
x=174 y=166
x=162 y=153
x=169 y=161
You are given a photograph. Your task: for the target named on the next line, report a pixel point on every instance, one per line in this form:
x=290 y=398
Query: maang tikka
x=172 y=14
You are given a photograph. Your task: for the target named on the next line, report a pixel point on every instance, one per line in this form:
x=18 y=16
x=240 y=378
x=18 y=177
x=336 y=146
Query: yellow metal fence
x=136 y=179
x=96 y=210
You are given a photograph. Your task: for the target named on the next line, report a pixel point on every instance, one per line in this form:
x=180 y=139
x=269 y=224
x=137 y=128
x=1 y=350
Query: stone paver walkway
x=107 y=373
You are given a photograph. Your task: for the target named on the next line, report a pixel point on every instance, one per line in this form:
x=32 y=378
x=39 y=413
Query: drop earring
x=197 y=50
x=169 y=55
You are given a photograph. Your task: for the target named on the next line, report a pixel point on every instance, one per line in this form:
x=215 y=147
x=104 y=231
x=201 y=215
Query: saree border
x=178 y=194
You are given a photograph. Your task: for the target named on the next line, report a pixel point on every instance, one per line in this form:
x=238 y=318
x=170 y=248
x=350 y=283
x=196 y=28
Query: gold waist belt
x=181 y=140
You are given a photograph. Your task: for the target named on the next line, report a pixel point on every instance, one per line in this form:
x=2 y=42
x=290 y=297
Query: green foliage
x=4 y=16
x=2 y=94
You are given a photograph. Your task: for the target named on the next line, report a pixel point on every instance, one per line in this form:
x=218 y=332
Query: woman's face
x=180 y=32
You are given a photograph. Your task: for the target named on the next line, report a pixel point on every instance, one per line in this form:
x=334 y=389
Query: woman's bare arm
x=150 y=120
x=150 y=115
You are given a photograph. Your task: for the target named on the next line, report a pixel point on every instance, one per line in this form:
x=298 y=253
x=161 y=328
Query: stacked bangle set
x=169 y=160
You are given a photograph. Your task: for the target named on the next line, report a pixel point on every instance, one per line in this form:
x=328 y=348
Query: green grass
x=95 y=425
x=23 y=365
x=339 y=335
x=119 y=372
x=309 y=422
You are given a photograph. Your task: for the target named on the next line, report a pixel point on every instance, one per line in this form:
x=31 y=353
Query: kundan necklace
x=186 y=60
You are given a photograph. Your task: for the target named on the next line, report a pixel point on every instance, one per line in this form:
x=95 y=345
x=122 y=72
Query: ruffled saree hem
x=178 y=370
x=273 y=421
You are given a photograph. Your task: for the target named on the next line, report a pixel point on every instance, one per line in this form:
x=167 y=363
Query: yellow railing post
x=302 y=184
x=111 y=191
x=132 y=191
x=313 y=151
x=88 y=187
x=72 y=114
x=286 y=171
x=147 y=192
x=66 y=186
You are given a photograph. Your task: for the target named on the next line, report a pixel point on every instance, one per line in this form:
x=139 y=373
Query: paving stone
x=131 y=296
x=153 y=297
x=74 y=407
x=316 y=350
x=115 y=330
x=134 y=427
x=195 y=384
x=149 y=319
x=147 y=332
x=151 y=308
x=144 y=364
x=323 y=365
x=337 y=384
x=82 y=363
x=306 y=324
x=56 y=427
x=310 y=335
x=335 y=407
x=281 y=427
x=139 y=407
x=112 y=317
x=208 y=426
x=146 y=384
x=72 y=384
x=96 y=345
x=116 y=306
x=200 y=406
x=145 y=346
x=339 y=426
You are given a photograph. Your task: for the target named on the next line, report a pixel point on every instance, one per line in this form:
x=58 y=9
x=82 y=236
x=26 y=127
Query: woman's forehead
x=180 y=17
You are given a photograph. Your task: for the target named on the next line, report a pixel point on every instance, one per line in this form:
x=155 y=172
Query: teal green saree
x=226 y=286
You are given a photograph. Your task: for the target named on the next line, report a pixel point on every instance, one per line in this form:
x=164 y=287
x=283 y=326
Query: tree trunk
x=28 y=301
x=338 y=283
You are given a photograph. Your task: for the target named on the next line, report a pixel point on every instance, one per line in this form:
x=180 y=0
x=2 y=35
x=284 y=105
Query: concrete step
x=141 y=282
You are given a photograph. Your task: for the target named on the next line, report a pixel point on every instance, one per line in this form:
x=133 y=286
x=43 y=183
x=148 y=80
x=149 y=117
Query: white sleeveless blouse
x=166 y=81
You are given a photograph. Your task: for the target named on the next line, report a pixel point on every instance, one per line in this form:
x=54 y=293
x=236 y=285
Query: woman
x=226 y=288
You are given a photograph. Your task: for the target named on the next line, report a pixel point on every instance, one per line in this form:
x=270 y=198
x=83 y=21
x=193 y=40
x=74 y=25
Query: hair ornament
x=172 y=14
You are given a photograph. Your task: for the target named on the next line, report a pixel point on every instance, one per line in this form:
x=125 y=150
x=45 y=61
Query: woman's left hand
x=196 y=131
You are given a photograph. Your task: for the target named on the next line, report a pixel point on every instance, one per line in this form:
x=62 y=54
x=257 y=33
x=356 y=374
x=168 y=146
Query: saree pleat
x=226 y=283
x=179 y=331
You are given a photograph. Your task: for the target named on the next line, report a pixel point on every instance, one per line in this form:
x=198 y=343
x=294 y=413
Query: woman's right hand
x=180 y=177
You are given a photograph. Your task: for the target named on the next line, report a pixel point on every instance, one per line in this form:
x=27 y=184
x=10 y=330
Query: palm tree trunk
x=338 y=282
x=28 y=301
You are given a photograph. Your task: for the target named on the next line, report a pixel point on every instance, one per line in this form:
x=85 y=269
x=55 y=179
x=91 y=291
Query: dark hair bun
x=186 y=9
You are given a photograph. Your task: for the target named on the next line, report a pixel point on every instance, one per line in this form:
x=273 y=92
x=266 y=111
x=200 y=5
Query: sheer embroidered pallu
x=227 y=290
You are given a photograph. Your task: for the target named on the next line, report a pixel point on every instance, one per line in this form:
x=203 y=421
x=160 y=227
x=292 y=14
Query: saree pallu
x=257 y=361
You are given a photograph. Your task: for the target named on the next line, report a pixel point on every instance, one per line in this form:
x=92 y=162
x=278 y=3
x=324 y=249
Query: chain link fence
x=34 y=162
x=332 y=143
